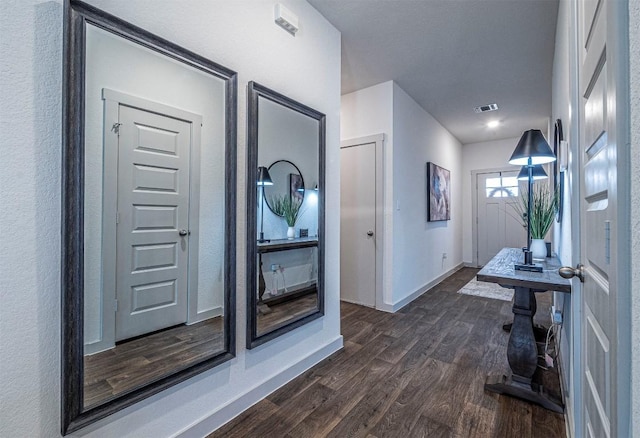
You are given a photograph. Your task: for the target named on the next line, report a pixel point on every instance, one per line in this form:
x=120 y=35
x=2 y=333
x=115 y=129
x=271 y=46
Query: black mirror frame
x=266 y=200
x=76 y=16
x=254 y=92
x=558 y=175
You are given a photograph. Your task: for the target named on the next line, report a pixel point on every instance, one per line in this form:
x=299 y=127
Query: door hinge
x=117 y=217
x=116 y=128
x=115 y=305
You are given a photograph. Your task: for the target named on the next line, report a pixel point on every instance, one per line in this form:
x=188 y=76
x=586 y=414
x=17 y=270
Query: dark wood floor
x=416 y=373
x=285 y=312
x=145 y=359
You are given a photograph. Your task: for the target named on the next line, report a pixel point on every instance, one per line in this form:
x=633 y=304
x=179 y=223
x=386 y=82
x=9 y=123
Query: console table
x=276 y=245
x=522 y=351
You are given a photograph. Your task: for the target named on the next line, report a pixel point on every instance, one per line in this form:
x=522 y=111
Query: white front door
x=498 y=224
x=599 y=294
x=358 y=224
x=152 y=239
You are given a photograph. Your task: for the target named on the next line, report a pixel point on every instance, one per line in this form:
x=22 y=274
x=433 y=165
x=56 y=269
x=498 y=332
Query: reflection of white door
x=153 y=221
x=604 y=401
x=498 y=225
x=358 y=224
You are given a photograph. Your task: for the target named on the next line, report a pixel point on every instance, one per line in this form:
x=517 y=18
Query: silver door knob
x=370 y=233
x=184 y=232
x=569 y=272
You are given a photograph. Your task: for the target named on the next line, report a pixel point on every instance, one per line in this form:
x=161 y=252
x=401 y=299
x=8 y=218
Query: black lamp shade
x=537 y=173
x=264 y=179
x=532 y=145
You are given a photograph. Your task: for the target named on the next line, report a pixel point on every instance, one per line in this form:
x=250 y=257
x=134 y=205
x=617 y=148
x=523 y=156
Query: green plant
x=544 y=207
x=286 y=206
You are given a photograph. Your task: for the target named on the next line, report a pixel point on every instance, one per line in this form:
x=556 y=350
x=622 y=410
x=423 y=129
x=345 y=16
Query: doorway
x=151 y=156
x=361 y=221
x=497 y=222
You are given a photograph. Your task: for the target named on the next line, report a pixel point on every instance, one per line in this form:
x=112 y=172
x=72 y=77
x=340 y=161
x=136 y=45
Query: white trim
x=380 y=243
x=406 y=300
x=204 y=426
x=203 y=315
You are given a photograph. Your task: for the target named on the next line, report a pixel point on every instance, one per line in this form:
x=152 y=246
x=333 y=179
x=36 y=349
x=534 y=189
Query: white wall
x=561 y=109
x=634 y=37
x=369 y=112
x=412 y=257
x=239 y=35
x=485 y=155
x=418 y=245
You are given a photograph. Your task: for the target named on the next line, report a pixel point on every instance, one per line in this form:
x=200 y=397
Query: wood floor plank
x=513 y=418
x=425 y=427
x=367 y=412
x=292 y=412
x=402 y=416
x=249 y=419
x=344 y=371
x=327 y=415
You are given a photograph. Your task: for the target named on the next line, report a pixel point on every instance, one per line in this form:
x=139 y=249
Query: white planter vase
x=291 y=233
x=538 y=249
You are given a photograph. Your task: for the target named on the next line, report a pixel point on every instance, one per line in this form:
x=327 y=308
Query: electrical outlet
x=444 y=255
x=274 y=267
x=556 y=316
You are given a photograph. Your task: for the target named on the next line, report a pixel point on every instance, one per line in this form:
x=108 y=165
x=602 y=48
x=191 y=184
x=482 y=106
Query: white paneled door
x=152 y=243
x=498 y=224
x=599 y=293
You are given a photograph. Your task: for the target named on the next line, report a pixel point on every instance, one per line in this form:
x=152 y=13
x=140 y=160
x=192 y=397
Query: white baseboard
x=568 y=403
x=406 y=300
x=235 y=407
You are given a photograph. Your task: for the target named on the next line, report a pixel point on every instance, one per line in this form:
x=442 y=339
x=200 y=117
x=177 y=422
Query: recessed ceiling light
x=493 y=124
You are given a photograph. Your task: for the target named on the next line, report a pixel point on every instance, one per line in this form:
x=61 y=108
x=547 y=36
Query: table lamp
x=264 y=179
x=532 y=150
x=537 y=173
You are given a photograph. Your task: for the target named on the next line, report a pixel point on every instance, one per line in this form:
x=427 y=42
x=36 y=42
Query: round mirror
x=287 y=181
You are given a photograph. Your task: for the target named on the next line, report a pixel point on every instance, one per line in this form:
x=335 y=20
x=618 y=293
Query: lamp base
x=262 y=239
x=529 y=268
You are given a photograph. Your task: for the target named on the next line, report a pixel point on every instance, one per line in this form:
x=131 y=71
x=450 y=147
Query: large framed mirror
x=149 y=181
x=285 y=217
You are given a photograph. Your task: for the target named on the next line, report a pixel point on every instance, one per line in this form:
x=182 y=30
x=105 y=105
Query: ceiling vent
x=485 y=108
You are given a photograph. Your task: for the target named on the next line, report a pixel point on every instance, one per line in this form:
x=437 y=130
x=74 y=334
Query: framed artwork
x=439 y=193
x=296 y=187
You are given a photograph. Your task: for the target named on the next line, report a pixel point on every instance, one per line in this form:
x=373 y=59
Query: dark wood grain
x=283 y=312
x=522 y=350
x=148 y=358
x=500 y=269
x=393 y=382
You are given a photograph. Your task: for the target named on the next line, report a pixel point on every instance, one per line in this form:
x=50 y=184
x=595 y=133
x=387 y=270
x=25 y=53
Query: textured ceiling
x=454 y=55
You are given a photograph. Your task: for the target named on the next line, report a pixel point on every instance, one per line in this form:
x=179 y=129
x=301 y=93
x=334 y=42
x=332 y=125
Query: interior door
x=597 y=150
x=498 y=225
x=152 y=235
x=358 y=224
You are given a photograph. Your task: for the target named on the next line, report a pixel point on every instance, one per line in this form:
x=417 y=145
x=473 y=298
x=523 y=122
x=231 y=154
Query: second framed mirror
x=285 y=254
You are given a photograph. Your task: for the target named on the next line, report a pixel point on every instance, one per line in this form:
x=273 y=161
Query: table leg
x=522 y=354
x=262 y=307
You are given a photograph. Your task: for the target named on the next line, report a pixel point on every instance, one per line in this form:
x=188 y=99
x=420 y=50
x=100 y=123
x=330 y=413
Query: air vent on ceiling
x=485 y=108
